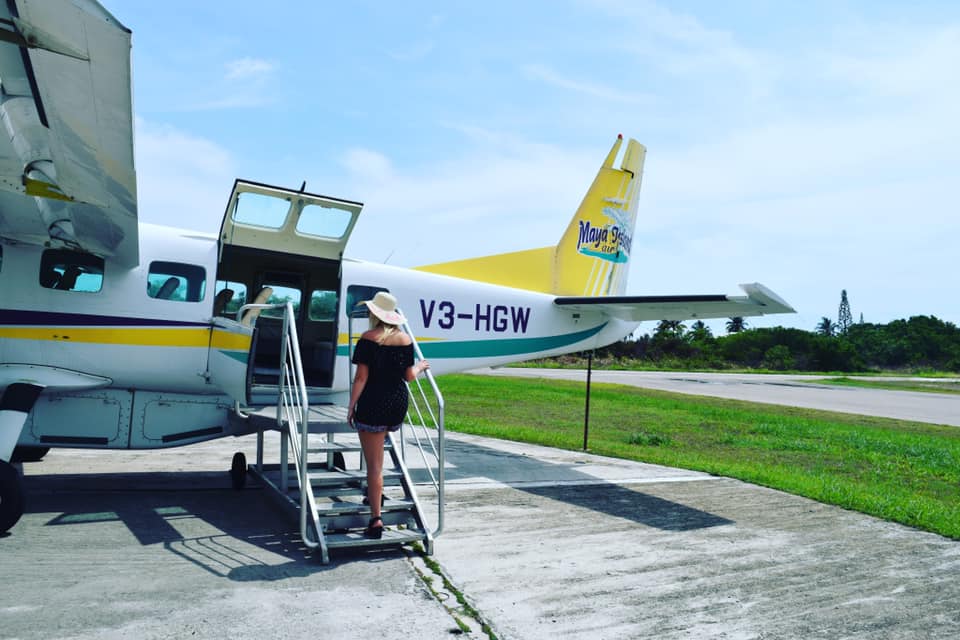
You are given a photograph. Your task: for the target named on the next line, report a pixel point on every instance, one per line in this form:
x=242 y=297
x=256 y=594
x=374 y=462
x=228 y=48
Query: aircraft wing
x=66 y=145
x=758 y=301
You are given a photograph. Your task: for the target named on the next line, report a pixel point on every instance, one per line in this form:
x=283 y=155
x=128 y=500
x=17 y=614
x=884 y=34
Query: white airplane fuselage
x=122 y=369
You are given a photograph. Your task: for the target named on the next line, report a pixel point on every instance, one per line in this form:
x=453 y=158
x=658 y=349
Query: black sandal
x=372 y=532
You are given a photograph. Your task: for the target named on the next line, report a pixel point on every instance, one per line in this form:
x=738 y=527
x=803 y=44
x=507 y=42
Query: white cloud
x=505 y=197
x=245 y=85
x=183 y=180
x=551 y=77
x=247 y=68
x=897 y=62
x=371 y=165
x=679 y=42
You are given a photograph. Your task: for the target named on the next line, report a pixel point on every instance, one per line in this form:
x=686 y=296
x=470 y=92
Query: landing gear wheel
x=338 y=461
x=29 y=454
x=12 y=496
x=238 y=470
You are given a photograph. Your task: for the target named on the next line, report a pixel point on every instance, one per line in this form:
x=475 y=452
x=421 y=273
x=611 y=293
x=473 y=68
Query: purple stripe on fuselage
x=55 y=319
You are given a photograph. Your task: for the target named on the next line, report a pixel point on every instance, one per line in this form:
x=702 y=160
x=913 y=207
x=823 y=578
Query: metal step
x=333 y=447
x=338 y=516
x=391 y=537
x=339 y=478
x=328 y=509
x=321 y=418
x=330 y=427
x=345 y=522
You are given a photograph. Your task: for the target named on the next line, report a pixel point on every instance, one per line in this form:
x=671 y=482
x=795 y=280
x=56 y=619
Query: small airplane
x=117 y=334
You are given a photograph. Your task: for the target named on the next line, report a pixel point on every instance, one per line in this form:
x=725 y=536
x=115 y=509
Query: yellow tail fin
x=593 y=254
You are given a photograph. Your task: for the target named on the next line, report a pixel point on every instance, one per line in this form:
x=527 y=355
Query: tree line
x=918 y=343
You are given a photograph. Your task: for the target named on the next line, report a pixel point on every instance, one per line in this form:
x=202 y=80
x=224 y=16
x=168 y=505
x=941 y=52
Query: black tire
x=338 y=461
x=238 y=470
x=12 y=496
x=29 y=454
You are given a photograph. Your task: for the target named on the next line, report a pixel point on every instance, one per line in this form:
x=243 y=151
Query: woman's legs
x=372 y=444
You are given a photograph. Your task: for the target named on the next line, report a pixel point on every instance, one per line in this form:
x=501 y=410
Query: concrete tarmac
x=544 y=543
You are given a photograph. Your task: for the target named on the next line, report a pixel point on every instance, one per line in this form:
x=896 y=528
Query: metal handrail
x=293 y=406
x=438 y=421
x=243 y=309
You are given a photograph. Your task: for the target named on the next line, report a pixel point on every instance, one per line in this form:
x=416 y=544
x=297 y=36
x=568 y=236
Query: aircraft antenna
x=303 y=186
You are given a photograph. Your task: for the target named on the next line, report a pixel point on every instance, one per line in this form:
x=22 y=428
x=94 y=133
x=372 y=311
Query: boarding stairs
x=321 y=477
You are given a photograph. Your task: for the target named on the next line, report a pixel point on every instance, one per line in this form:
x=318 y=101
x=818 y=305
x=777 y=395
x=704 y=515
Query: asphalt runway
x=783 y=389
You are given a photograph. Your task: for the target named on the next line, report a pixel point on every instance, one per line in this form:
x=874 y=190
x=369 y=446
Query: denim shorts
x=367 y=428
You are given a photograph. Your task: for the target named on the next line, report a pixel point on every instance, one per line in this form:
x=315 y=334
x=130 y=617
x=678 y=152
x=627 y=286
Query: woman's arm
x=417 y=369
x=359 y=382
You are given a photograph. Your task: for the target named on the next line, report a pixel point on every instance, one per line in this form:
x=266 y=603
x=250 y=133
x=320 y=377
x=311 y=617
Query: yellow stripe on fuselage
x=231 y=341
x=147 y=337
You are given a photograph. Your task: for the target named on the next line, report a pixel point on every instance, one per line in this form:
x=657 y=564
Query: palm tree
x=669 y=328
x=736 y=325
x=826 y=327
x=700 y=331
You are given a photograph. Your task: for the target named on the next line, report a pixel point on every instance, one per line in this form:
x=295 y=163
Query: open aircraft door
x=275 y=246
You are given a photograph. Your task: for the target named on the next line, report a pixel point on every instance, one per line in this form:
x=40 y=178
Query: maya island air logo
x=612 y=241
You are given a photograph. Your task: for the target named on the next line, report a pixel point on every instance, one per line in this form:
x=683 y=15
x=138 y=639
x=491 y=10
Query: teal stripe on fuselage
x=500 y=347
x=239 y=356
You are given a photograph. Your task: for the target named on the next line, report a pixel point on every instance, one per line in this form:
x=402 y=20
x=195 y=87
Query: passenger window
x=176 y=281
x=323 y=306
x=282 y=295
x=360 y=293
x=227 y=304
x=71 y=271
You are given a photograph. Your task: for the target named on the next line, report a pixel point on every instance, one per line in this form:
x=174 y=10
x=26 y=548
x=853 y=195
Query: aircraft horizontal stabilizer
x=759 y=301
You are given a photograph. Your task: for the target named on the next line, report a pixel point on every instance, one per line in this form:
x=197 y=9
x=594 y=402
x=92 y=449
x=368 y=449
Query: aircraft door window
x=281 y=295
x=326 y=222
x=260 y=210
x=71 y=271
x=323 y=306
x=176 y=281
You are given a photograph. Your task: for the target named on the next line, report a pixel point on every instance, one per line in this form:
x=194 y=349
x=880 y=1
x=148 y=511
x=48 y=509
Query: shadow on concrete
x=629 y=504
x=567 y=482
x=245 y=536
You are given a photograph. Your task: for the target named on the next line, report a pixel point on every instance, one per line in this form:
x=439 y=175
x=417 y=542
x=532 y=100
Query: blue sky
x=810 y=146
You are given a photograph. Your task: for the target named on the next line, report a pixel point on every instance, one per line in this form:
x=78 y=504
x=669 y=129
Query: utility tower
x=844 y=318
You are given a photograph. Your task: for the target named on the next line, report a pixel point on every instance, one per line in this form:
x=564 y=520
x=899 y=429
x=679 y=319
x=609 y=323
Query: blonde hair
x=388 y=329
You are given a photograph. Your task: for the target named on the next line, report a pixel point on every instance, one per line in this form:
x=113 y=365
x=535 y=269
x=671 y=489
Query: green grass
x=905 y=472
x=946 y=386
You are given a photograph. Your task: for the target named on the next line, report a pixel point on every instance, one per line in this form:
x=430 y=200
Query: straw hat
x=384 y=306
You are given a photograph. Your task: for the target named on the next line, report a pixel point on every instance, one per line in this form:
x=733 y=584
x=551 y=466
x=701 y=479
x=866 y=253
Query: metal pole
x=586 y=412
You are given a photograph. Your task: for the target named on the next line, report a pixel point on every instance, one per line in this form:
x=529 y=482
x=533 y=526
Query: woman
x=378 y=400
